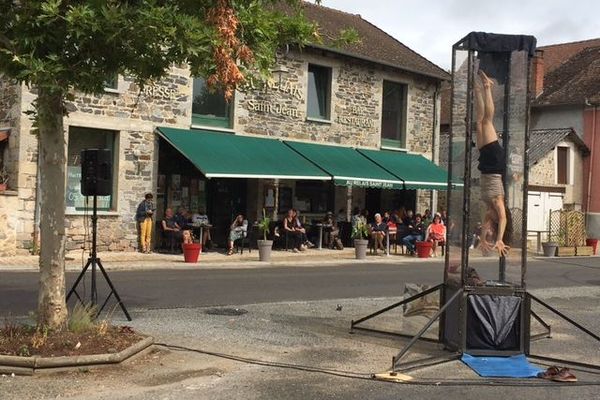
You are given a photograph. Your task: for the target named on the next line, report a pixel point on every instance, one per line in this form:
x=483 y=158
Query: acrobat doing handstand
x=492 y=164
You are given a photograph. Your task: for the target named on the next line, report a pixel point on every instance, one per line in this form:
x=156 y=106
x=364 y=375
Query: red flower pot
x=424 y=249
x=593 y=243
x=191 y=252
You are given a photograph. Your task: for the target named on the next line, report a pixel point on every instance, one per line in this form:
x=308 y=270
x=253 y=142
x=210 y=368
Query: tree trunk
x=52 y=307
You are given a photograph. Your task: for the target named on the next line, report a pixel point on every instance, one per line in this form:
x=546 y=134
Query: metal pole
x=505 y=143
x=94 y=290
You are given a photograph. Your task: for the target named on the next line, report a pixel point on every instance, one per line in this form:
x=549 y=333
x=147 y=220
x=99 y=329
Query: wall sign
x=287 y=87
x=356 y=116
x=160 y=92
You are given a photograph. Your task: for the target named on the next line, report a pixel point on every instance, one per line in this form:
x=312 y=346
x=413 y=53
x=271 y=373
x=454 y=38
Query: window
x=210 y=107
x=319 y=92
x=314 y=196
x=112 y=82
x=80 y=139
x=393 y=118
x=562 y=165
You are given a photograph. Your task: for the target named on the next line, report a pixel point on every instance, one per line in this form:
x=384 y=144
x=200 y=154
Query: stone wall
x=8 y=224
x=133 y=114
x=279 y=108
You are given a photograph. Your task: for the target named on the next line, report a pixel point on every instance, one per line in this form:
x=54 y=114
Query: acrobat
x=492 y=164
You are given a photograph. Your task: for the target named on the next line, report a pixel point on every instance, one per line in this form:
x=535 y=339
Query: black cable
x=369 y=376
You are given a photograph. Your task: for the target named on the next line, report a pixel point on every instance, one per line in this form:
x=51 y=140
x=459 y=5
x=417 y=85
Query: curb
x=31 y=365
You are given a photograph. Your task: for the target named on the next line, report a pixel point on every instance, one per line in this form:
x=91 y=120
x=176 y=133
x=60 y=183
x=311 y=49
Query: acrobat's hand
x=502 y=248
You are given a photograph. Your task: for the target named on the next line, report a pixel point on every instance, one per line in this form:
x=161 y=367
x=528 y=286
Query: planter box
x=565 y=251
x=584 y=250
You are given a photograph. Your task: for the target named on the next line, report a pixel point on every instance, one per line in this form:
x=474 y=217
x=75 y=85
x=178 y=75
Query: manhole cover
x=226 y=311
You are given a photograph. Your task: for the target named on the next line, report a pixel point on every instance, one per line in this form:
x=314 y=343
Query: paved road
x=198 y=287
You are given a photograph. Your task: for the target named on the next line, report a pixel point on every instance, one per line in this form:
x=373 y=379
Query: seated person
x=201 y=219
x=377 y=231
x=182 y=218
x=415 y=234
x=237 y=231
x=293 y=231
x=436 y=233
x=171 y=228
x=304 y=238
x=331 y=232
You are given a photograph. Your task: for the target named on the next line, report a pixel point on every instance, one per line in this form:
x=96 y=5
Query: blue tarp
x=501 y=367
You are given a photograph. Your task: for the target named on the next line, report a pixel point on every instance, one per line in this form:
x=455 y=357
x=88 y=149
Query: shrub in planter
x=264 y=246
x=360 y=233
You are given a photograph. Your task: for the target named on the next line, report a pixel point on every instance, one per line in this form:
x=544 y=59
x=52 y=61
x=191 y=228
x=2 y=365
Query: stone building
x=376 y=95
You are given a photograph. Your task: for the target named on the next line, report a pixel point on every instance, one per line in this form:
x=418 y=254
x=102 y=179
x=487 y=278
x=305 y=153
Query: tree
x=57 y=47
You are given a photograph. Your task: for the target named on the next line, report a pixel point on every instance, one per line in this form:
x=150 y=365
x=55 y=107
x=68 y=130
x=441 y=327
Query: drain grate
x=226 y=311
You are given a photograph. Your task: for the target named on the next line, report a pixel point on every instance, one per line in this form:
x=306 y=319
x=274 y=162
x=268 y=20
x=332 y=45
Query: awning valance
x=417 y=171
x=221 y=155
x=347 y=166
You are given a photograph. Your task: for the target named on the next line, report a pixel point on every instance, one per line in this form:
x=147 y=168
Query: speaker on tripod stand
x=96 y=180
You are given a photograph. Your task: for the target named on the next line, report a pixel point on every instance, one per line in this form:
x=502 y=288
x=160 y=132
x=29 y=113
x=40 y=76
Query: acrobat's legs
x=486 y=133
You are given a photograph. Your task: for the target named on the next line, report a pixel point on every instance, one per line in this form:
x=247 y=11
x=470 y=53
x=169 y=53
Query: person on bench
x=171 y=229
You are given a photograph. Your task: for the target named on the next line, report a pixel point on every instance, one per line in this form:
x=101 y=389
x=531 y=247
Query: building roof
x=542 y=141
x=375 y=45
x=556 y=54
x=576 y=81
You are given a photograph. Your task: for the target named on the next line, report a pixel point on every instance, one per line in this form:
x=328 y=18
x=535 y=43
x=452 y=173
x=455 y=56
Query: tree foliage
x=67 y=44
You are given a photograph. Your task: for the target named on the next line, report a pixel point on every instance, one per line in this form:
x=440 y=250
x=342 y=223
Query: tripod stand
x=94 y=262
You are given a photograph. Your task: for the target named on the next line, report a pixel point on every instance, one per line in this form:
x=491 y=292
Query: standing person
x=415 y=234
x=377 y=231
x=237 y=231
x=143 y=216
x=436 y=233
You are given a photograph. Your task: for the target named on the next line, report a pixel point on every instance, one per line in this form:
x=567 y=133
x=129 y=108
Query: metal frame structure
x=454 y=294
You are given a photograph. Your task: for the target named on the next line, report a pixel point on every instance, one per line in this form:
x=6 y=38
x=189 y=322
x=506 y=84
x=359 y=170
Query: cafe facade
x=330 y=130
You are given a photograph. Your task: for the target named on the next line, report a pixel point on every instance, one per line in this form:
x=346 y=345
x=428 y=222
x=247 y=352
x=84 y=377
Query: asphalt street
x=198 y=287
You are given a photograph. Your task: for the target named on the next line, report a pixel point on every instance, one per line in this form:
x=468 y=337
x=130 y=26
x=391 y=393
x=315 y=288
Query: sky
x=431 y=27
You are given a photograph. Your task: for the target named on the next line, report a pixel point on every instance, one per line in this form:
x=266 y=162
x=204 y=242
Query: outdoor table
x=201 y=227
x=539 y=238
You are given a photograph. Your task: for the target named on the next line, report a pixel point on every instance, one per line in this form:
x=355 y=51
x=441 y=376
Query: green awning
x=417 y=171
x=347 y=166
x=222 y=155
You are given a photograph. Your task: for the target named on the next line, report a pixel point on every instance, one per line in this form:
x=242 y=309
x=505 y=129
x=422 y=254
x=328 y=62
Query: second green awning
x=347 y=166
x=222 y=155
x=417 y=171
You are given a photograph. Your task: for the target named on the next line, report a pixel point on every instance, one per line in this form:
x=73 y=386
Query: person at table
x=357 y=218
x=415 y=234
x=436 y=233
x=171 y=228
x=237 y=231
x=331 y=232
x=341 y=216
x=300 y=227
x=200 y=219
x=377 y=231
x=143 y=216
x=182 y=218
x=293 y=231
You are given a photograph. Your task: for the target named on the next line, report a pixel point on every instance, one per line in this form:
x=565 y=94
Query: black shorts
x=492 y=159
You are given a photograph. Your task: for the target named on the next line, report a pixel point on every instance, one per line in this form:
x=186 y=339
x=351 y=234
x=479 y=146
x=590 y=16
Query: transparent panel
x=489 y=122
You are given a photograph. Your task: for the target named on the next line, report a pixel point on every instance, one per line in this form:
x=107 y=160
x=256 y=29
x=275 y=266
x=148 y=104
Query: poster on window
x=75 y=201
x=162 y=183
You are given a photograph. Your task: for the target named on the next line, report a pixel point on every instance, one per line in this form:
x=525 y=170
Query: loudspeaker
x=96 y=172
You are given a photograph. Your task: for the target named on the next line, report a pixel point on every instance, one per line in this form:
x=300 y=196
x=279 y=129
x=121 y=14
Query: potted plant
x=3 y=180
x=549 y=248
x=264 y=245
x=191 y=247
x=360 y=233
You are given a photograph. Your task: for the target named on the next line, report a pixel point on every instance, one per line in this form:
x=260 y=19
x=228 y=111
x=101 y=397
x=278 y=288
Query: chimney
x=537 y=72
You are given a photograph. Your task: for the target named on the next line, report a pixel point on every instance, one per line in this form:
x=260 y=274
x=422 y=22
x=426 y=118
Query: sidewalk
x=213 y=259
